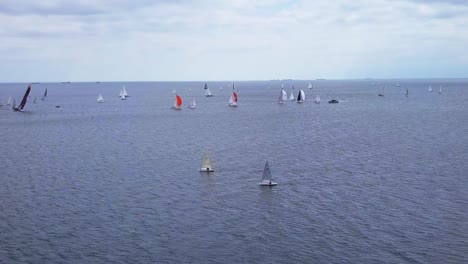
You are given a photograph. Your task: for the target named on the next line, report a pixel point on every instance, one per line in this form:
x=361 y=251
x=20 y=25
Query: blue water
x=369 y=180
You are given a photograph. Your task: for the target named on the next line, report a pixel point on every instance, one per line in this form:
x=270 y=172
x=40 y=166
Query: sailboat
x=208 y=93
x=100 y=99
x=429 y=89
x=45 y=95
x=440 y=89
x=282 y=97
x=122 y=97
x=9 y=101
x=192 y=104
x=177 y=103
x=233 y=99
x=382 y=93
x=317 y=99
x=35 y=98
x=300 y=96
x=310 y=86
x=407 y=92
x=23 y=102
x=124 y=92
x=14 y=104
x=291 y=96
x=206 y=86
x=266 y=176
x=206 y=165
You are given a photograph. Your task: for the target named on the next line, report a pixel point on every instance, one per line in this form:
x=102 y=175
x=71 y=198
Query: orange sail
x=234 y=95
x=178 y=101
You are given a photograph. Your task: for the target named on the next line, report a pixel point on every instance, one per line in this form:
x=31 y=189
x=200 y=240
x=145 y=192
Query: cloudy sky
x=159 y=40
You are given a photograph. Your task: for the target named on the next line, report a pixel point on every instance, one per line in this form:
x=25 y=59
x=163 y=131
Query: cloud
x=239 y=39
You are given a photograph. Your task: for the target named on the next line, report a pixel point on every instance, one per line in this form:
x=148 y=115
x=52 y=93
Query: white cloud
x=241 y=39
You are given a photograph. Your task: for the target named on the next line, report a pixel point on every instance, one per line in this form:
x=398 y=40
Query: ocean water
x=369 y=180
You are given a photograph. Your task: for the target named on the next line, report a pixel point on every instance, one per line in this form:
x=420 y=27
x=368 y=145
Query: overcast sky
x=159 y=40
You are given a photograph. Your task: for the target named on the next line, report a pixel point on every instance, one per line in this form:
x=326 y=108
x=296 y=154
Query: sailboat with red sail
x=177 y=103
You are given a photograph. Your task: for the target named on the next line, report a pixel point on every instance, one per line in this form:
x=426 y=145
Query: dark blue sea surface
x=368 y=180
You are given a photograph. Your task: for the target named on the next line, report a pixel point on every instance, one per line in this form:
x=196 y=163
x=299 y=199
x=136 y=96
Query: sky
x=208 y=40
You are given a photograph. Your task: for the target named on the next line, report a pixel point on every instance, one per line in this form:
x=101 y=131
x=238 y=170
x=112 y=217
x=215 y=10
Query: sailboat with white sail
x=300 y=97
x=233 y=99
x=266 y=176
x=23 y=102
x=208 y=93
x=100 y=99
x=310 y=86
x=206 y=165
x=282 y=97
x=429 y=89
x=291 y=96
x=317 y=99
x=192 y=104
x=9 y=101
x=178 y=103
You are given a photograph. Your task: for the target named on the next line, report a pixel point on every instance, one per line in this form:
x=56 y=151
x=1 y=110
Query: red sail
x=234 y=95
x=179 y=100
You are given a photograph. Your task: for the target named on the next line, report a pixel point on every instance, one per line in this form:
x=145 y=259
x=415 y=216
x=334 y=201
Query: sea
x=371 y=179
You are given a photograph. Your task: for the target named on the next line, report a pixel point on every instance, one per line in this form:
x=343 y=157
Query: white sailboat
x=100 y=99
x=429 y=89
x=266 y=176
x=208 y=93
x=301 y=96
x=9 y=101
x=291 y=96
x=310 y=86
x=282 y=97
x=317 y=99
x=124 y=92
x=192 y=104
x=206 y=165
x=122 y=97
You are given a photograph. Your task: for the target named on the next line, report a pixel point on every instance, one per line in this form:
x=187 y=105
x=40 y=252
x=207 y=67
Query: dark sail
x=25 y=99
x=206 y=86
x=45 y=93
x=299 y=96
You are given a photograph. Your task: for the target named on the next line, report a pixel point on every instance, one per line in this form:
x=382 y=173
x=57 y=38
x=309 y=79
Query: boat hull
x=206 y=170
x=268 y=183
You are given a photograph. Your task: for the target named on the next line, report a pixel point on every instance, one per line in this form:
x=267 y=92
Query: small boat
x=233 y=99
x=266 y=176
x=382 y=93
x=440 y=89
x=14 y=104
x=291 y=96
x=310 y=86
x=282 y=97
x=23 y=102
x=177 y=103
x=45 y=95
x=317 y=99
x=208 y=93
x=407 y=93
x=429 y=89
x=300 y=97
x=333 y=101
x=192 y=104
x=205 y=87
x=122 y=97
x=35 y=98
x=100 y=99
x=206 y=165
x=9 y=101
x=174 y=91
x=124 y=92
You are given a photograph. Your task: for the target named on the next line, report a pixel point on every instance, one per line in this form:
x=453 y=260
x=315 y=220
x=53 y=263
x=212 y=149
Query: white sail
x=310 y=86
x=266 y=176
x=192 y=104
x=430 y=89
x=284 y=95
x=100 y=99
x=317 y=99
x=9 y=101
x=301 y=96
x=291 y=97
x=208 y=93
x=121 y=92
x=124 y=91
x=206 y=163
